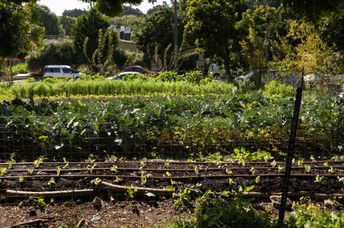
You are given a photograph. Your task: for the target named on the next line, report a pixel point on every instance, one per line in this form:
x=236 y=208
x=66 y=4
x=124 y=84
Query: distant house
x=123 y=31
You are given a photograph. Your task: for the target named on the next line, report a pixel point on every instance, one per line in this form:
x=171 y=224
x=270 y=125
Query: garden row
x=191 y=83
x=169 y=125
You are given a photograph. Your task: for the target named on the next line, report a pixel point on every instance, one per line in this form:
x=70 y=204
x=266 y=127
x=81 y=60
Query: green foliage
x=179 y=115
x=156 y=27
x=19 y=32
x=99 y=86
x=103 y=56
x=219 y=212
x=73 y=13
x=212 y=25
x=261 y=27
x=48 y=19
x=59 y=52
x=314 y=10
x=88 y=25
x=306 y=214
x=67 y=24
x=304 y=51
x=275 y=90
x=128 y=10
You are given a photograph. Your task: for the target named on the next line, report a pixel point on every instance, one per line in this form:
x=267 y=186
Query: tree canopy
x=73 y=12
x=19 y=31
x=315 y=9
x=212 y=25
x=48 y=19
x=88 y=25
x=155 y=33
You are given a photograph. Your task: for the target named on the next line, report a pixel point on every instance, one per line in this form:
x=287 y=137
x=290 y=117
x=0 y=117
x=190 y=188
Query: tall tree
x=212 y=25
x=19 y=31
x=111 y=7
x=67 y=24
x=49 y=20
x=88 y=25
x=155 y=33
x=73 y=12
x=128 y=10
x=313 y=10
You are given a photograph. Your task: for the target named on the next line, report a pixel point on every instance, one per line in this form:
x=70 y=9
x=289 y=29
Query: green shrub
x=59 y=53
x=274 y=90
x=168 y=76
x=194 y=77
x=306 y=214
x=220 y=212
x=19 y=68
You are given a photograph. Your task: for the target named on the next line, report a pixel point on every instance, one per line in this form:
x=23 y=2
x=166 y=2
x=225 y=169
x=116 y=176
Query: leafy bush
x=274 y=90
x=306 y=214
x=168 y=76
x=220 y=212
x=59 y=53
x=20 y=68
x=194 y=76
x=120 y=58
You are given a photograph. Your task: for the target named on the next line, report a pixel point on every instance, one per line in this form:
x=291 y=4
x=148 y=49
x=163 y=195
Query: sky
x=58 y=6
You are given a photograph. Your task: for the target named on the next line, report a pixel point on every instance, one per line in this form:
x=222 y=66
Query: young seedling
x=90 y=167
x=196 y=169
x=257 y=180
x=58 y=171
x=114 y=168
x=38 y=162
x=253 y=171
x=307 y=168
x=11 y=161
x=131 y=192
x=21 y=179
x=3 y=171
x=167 y=174
x=66 y=163
x=229 y=172
x=30 y=171
x=231 y=181
x=331 y=170
x=318 y=179
x=51 y=182
x=117 y=180
x=299 y=163
x=96 y=181
x=280 y=169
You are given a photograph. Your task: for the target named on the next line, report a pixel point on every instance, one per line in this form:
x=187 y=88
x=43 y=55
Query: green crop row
x=104 y=87
x=189 y=125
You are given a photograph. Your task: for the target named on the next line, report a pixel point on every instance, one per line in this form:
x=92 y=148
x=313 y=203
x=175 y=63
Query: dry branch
x=50 y=193
x=120 y=188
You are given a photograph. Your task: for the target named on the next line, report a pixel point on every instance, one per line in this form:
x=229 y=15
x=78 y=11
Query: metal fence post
x=291 y=149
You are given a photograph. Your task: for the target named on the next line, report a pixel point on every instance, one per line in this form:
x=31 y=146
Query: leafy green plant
x=3 y=171
x=51 y=182
x=38 y=162
x=131 y=192
x=96 y=181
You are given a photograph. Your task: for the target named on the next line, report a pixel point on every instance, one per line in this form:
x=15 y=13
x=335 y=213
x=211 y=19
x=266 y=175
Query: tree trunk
x=227 y=64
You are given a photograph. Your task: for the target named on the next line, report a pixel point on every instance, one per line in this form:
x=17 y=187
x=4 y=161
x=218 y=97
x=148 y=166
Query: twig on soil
x=30 y=223
x=119 y=188
x=50 y=193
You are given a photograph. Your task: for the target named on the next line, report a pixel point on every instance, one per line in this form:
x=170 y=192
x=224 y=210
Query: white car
x=60 y=71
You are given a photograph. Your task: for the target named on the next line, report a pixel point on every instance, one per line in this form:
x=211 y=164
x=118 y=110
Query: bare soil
x=112 y=214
